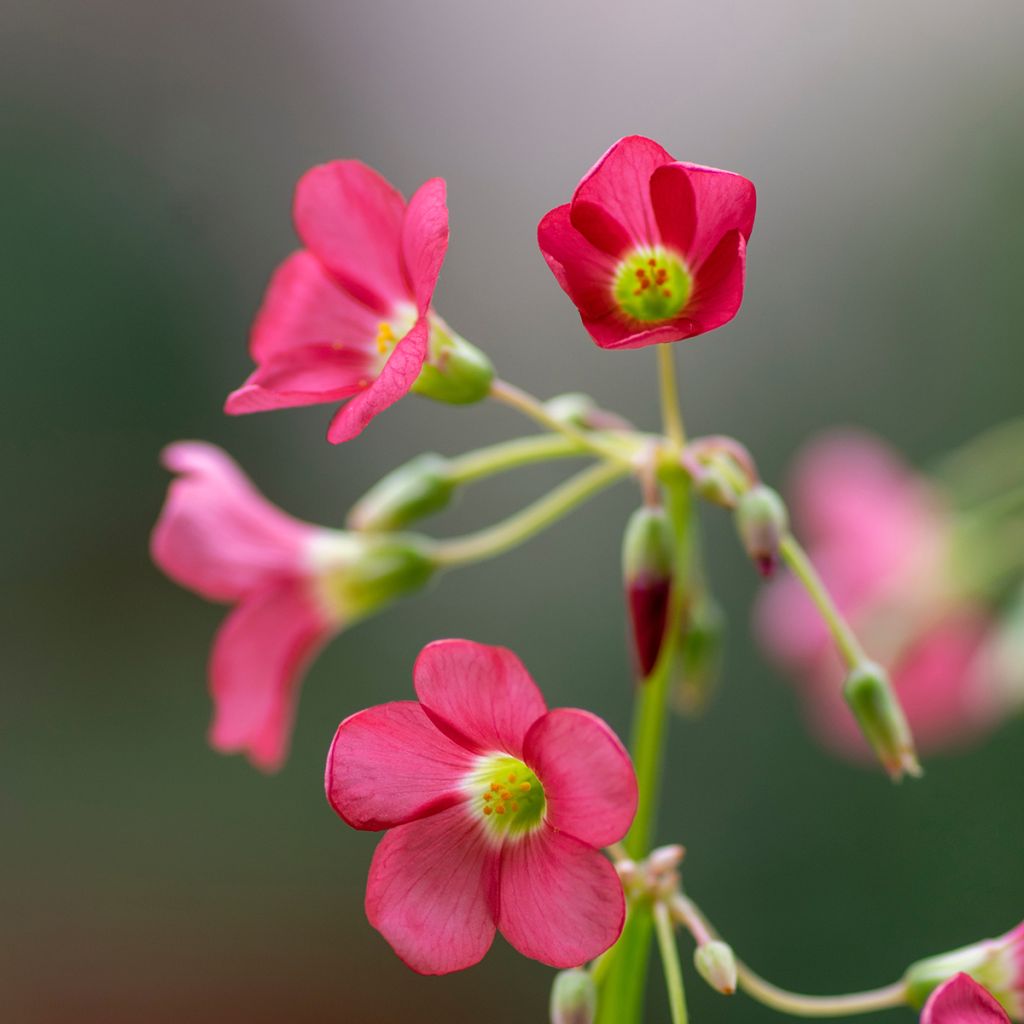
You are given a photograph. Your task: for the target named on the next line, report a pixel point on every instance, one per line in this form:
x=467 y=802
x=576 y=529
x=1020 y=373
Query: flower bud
x=700 y=657
x=878 y=712
x=998 y=964
x=455 y=372
x=579 y=410
x=716 y=964
x=647 y=571
x=406 y=494
x=573 y=998
x=762 y=522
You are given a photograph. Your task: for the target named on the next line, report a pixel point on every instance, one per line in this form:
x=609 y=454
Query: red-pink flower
x=496 y=808
x=880 y=536
x=961 y=1000
x=651 y=249
x=291 y=583
x=348 y=316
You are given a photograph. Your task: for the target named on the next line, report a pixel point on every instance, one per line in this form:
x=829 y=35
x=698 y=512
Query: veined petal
x=217 y=534
x=480 y=695
x=432 y=892
x=303 y=305
x=260 y=654
x=588 y=778
x=561 y=901
x=350 y=218
x=396 y=378
x=718 y=285
x=961 y=1000
x=390 y=764
x=425 y=239
x=585 y=273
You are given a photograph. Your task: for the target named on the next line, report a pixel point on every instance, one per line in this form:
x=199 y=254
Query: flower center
x=652 y=284
x=507 y=795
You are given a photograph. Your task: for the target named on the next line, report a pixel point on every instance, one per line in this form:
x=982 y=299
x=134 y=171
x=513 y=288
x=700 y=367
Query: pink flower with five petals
x=348 y=316
x=961 y=1000
x=496 y=809
x=651 y=249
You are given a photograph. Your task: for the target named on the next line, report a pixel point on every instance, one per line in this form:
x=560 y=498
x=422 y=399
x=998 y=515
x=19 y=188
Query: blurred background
x=147 y=157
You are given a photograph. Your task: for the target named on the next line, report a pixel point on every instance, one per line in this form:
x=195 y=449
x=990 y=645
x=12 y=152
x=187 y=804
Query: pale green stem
x=533 y=408
x=847 y=643
x=497 y=458
x=669 y=389
x=670 y=962
x=511 y=532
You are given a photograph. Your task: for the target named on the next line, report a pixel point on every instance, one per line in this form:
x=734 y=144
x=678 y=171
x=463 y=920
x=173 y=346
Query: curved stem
x=670 y=962
x=511 y=532
x=669 y=390
x=847 y=643
x=522 y=451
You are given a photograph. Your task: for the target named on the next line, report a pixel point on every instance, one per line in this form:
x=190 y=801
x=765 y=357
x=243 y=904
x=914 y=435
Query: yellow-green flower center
x=507 y=795
x=652 y=285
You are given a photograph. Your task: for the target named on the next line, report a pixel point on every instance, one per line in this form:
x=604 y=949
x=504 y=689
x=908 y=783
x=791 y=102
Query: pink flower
x=348 y=316
x=651 y=249
x=880 y=536
x=961 y=1000
x=293 y=586
x=496 y=809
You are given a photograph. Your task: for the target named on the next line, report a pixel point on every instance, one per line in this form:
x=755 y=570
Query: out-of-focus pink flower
x=651 y=249
x=496 y=809
x=348 y=316
x=293 y=586
x=961 y=1000
x=880 y=536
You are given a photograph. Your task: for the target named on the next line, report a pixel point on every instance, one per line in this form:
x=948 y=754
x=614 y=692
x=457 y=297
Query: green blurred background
x=147 y=156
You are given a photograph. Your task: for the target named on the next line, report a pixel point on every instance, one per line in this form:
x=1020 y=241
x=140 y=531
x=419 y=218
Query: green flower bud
x=573 y=998
x=878 y=712
x=410 y=492
x=455 y=372
x=647 y=570
x=716 y=964
x=762 y=521
x=579 y=410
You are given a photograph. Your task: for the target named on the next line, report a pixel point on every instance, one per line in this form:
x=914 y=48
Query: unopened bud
x=647 y=571
x=716 y=964
x=881 y=719
x=579 y=410
x=455 y=372
x=998 y=964
x=573 y=998
x=661 y=870
x=406 y=494
x=762 y=521
x=700 y=657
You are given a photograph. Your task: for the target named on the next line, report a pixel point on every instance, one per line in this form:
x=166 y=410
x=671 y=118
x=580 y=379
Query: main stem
x=668 y=387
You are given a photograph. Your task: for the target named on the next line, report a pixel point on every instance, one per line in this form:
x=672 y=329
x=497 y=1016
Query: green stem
x=497 y=458
x=670 y=962
x=847 y=643
x=511 y=532
x=988 y=460
x=669 y=390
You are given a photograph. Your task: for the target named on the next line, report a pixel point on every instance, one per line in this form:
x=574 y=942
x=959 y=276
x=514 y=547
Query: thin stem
x=511 y=532
x=670 y=962
x=497 y=458
x=533 y=408
x=847 y=643
x=668 y=387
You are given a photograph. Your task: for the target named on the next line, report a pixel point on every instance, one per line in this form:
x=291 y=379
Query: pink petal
x=425 y=239
x=619 y=185
x=304 y=304
x=961 y=1000
x=390 y=764
x=561 y=901
x=588 y=778
x=396 y=378
x=259 y=657
x=304 y=375
x=481 y=695
x=585 y=273
x=432 y=892
x=217 y=534
x=675 y=207
x=718 y=285
x=614 y=332
x=350 y=218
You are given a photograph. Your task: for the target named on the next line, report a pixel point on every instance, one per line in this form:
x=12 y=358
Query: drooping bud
x=455 y=372
x=406 y=494
x=573 y=998
x=579 y=410
x=647 y=572
x=998 y=964
x=661 y=870
x=874 y=704
x=716 y=964
x=700 y=657
x=762 y=521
